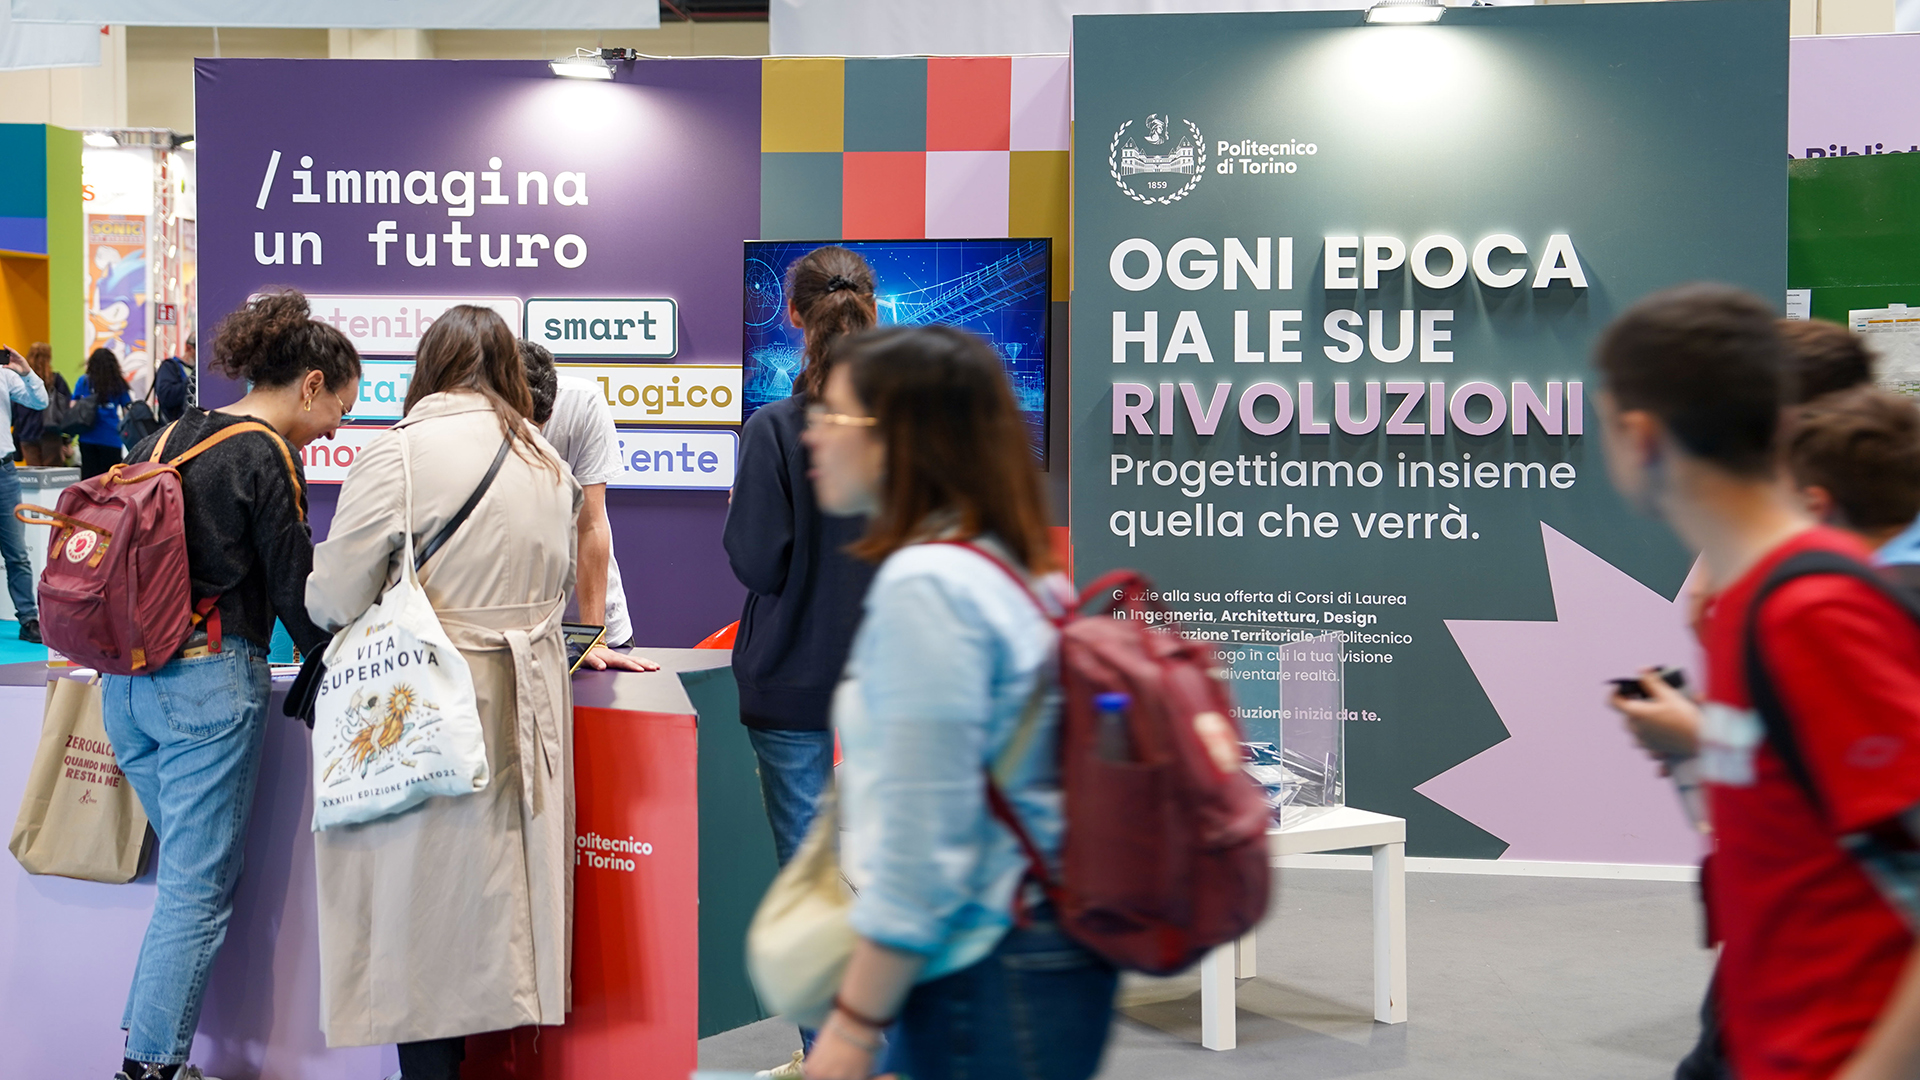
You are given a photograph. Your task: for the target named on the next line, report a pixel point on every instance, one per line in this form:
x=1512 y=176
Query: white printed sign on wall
x=326 y=461
x=611 y=329
x=665 y=393
x=662 y=458
x=383 y=389
x=390 y=325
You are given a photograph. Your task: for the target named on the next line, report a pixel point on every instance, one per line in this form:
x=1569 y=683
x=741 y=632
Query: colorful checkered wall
x=915 y=147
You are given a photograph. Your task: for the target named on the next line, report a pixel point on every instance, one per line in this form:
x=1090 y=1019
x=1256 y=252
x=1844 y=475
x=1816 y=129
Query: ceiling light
x=583 y=64
x=101 y=139
x=1404 y=12
x=188 y=145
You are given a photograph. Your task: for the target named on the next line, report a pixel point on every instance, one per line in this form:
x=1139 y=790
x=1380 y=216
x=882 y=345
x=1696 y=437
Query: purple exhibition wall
x=671 y=153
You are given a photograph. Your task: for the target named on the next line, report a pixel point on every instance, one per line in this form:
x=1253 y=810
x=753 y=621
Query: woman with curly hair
x=188 y=735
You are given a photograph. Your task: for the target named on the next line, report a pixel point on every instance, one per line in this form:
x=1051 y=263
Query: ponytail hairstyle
x=471 y=348
x=275 y=340
x=831 y=289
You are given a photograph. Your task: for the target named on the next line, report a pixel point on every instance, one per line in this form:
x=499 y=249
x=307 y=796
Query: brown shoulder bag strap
x=218 y=437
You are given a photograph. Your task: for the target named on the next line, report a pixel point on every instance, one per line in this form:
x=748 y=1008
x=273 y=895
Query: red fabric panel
x=884 y=196
x=969 y=103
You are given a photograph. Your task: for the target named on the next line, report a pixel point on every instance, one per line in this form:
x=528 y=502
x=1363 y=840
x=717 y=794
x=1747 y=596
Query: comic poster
x=117 y=291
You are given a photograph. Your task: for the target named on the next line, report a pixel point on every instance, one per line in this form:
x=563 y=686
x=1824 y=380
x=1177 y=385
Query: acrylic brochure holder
x=1292 y=703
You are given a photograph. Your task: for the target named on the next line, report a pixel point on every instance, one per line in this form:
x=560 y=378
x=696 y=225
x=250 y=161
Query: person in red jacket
x=1812 y=891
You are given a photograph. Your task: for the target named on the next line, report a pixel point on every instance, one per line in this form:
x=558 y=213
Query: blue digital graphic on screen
x=998 y=289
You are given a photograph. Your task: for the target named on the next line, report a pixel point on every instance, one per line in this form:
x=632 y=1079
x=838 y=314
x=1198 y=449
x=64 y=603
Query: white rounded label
x=81 y=544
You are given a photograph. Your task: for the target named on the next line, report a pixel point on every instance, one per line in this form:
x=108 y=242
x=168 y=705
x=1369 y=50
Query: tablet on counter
x=581 y=637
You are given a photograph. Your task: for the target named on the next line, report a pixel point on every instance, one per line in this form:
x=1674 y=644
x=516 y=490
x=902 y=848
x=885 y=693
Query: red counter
x=636 y=955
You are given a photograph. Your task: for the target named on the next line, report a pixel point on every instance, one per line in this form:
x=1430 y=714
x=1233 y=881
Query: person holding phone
x=37 y=444
x=1809 y=732
x=27 y=388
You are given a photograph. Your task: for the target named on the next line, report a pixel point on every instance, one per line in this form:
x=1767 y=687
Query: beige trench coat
x=456 y=917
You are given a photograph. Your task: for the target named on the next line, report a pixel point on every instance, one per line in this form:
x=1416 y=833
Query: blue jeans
x=188 y=737
x=1037 y=1008
x=13 y=546
x=795 y=769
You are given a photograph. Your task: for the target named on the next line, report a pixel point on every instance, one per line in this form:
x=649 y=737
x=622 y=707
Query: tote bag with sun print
x=394 y=722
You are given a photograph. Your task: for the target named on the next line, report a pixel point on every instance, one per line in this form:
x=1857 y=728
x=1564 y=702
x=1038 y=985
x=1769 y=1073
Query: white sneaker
x=792 y=1070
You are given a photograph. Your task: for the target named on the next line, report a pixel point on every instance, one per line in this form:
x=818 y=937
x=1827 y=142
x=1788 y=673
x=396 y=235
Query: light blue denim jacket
x=943 y=667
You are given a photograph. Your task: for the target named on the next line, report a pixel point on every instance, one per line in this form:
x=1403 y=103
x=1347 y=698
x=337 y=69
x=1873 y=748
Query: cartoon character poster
x=117 y=290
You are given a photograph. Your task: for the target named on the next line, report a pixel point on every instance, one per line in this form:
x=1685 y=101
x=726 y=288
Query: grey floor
x=1507 y=977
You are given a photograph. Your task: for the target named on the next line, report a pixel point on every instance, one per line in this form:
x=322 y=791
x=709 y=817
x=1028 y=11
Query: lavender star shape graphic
x=1568 y=784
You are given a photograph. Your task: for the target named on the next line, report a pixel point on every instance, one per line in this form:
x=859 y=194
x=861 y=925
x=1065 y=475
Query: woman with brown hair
x=38 y=445
x=454 y=918
x=803 y=589
x=951 y=676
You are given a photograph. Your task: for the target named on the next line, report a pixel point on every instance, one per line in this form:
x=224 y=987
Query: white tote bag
x=394 y=722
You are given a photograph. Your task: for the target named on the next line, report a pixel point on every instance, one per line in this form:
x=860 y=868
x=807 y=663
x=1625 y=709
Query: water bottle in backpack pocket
x=1165 y=851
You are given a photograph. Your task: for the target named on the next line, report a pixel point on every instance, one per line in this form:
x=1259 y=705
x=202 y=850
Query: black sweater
x=247 y=538
x=804 y=592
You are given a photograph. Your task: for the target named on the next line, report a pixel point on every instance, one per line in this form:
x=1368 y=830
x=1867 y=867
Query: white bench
x=1335 y=830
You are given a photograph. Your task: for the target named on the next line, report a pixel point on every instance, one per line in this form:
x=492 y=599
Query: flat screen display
x=998 y=289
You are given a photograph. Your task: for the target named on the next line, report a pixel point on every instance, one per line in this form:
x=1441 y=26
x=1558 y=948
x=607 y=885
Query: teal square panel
x=886 y=104
x=23 y=179
x=799 y=196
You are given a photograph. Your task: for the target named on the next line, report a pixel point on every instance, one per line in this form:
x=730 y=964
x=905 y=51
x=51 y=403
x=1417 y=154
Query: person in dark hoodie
x=803 y=590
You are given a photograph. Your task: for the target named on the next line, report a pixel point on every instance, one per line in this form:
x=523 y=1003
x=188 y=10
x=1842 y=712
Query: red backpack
x=1165 y=853
x=115 y=595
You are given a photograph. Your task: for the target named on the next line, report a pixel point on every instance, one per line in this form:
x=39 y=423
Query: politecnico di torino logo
x=1157 y=160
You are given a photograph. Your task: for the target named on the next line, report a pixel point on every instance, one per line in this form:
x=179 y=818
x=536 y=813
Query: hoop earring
x=309 y=404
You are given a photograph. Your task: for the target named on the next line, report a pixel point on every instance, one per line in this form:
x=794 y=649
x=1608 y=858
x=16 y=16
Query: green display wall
x=1853 y=232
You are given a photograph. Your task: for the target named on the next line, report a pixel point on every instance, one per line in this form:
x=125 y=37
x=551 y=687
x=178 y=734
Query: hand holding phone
x=12 y=358
x=1664 y=721
x=1634 y=687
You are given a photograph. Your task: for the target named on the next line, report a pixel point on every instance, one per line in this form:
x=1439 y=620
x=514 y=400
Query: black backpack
x=138 y=423
x=67 y=416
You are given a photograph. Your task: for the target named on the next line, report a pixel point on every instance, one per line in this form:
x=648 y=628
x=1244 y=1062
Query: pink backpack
x=1165 y=850
x=115 y=595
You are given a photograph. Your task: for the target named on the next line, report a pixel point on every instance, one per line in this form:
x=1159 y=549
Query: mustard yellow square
x=1037 y=187
x=802 y=105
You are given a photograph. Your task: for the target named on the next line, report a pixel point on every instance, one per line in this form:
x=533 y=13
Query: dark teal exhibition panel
x=1335 y=290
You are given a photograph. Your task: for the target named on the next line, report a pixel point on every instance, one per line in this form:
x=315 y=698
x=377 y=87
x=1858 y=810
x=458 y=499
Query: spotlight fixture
x=100 y=139
x=1405 y=12
x=591 y=63
x=188 y=145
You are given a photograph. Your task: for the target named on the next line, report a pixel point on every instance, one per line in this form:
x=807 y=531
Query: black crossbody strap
x=1766 y=698
x=453 y=525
